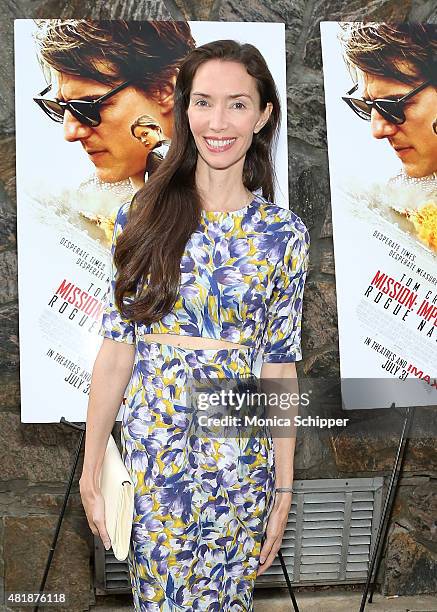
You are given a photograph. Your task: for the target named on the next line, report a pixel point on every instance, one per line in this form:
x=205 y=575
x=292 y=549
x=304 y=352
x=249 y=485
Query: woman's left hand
x=276 y=525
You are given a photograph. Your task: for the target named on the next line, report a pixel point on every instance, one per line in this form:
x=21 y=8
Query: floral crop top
x=242 y=280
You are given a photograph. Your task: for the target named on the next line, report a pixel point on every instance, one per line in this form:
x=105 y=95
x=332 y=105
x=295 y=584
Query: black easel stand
x=287 y=579
x=388 y=507
x=81 y=428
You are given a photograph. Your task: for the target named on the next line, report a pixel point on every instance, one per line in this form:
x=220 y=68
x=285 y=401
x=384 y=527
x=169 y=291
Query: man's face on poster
x=413 y=141
x=109 y=146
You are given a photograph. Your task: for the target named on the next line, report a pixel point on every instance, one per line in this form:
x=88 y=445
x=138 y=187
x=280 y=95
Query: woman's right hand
x=111 y=374
x=94 y=506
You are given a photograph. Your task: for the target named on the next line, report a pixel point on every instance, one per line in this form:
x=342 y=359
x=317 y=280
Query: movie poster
x=385 y=243
x=66 y=212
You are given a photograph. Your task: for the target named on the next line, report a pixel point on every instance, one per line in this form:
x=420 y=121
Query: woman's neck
x=221 y=189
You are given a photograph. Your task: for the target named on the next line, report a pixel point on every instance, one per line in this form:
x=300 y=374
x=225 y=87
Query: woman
x=208 y=274
x=148 y=131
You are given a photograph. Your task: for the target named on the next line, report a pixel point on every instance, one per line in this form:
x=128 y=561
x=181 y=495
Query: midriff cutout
x=192 y=342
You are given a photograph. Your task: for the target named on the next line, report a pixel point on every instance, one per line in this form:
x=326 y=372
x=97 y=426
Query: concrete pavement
x=278 y=600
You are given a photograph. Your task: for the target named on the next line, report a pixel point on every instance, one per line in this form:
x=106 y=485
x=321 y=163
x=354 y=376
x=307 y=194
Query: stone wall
x=35 y=459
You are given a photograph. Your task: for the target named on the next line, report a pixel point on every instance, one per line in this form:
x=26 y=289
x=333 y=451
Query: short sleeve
x=113 y=325
x=282 y=334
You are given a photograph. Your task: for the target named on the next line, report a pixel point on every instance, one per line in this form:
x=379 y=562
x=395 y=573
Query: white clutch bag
x=118 y=492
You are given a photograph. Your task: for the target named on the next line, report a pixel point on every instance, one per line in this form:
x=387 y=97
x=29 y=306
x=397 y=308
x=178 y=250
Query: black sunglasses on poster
x=85 y=111
x=392 y=109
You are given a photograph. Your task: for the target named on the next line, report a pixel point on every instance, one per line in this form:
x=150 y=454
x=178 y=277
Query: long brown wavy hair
x=167 y=210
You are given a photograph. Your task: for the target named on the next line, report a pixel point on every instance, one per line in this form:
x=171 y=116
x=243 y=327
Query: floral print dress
x=202 y=503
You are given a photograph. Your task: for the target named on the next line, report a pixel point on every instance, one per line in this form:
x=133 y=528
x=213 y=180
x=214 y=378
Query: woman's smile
x=218 y=145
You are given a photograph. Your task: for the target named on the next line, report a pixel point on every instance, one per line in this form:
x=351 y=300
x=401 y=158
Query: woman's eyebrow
x=240 y=95
x=237 y=95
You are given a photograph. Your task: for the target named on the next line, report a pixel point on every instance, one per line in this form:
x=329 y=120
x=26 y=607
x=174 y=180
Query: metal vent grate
x=330 y=532
x=111 y=575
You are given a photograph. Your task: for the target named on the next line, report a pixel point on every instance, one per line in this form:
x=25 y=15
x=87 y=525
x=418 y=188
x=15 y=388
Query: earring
x=434 y=126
